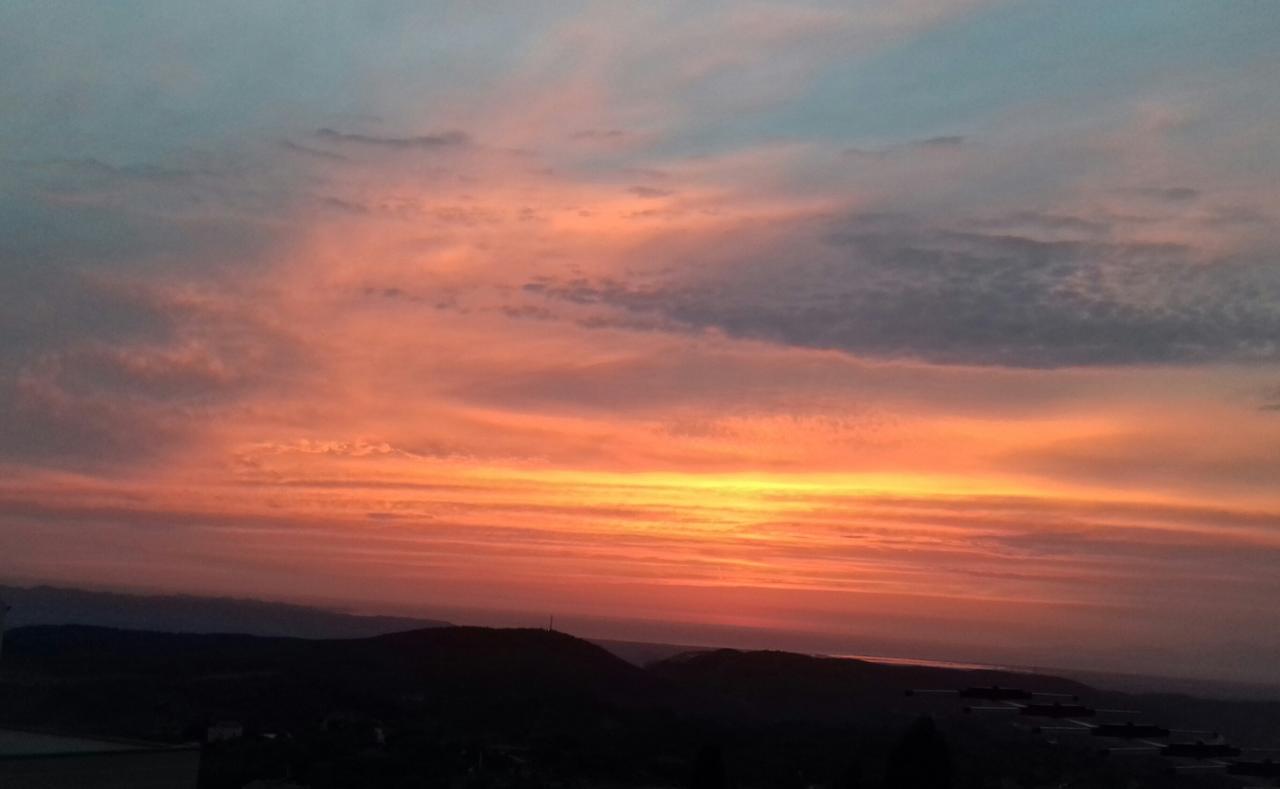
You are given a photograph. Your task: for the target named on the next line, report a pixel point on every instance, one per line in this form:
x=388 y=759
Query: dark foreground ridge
x=467 y=706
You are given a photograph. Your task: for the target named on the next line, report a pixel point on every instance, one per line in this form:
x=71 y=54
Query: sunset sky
x=947 y=328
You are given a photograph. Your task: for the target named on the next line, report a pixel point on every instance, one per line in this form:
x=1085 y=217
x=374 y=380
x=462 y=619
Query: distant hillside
x=452 y=656
x=89 y=678
x=48 y=605
x=643 y=653
x=468 y=676
x=783 y=684
x=794 y=673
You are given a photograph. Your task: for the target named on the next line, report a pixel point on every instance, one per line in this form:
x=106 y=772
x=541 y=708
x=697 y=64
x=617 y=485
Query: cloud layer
x=955 y=297
x=852 y=321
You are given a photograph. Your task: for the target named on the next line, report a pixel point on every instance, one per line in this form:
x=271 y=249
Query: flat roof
x=14 y=742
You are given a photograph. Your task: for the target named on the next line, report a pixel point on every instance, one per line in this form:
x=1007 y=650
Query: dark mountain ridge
x=443 y=660
x=51 y=605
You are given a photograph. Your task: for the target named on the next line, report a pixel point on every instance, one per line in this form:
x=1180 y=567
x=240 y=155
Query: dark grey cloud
x=345 y=206
x=1041 y=220
x=90 y=168
x=869 y=153
x=129 y=378
x=648 y=173
x=528 y=312
x=414 y=209
x=44 y=429
x=945 y=140
x=104 y=359
x=650 y=191
x=445 y=139
x=78 y=235
x=1234 y=215
x=598 y=134
x=939 y=143
x=894 y=289
x=1271 y=399
x=1172 y=194
x=317 y=153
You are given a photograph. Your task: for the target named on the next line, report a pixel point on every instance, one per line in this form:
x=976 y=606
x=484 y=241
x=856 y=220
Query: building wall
x=167 y=769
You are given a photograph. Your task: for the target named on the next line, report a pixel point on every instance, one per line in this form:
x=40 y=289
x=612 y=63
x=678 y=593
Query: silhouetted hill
x=772 y=684
x=462 y=673
x=441 y=706
x=446 y=697
x=520 y=661
x=48 y=605
x=532 y=659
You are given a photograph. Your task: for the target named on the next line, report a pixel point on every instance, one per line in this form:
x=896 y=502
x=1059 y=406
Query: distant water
x=902 y=661
x=1126 y=683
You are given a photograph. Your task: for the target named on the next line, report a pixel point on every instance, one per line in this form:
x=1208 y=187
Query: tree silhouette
x=708 y=769
x=850 y=777
x=920 y=759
